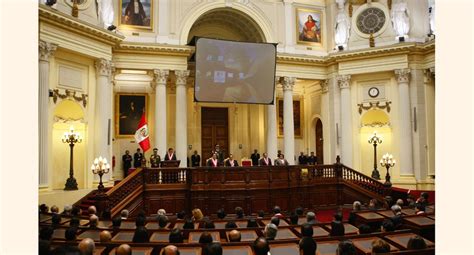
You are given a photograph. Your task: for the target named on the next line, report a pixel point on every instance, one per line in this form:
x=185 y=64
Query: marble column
x=181 y=117
x=161 y=76
x=103 y=112
x=46 y=50
x=344 y=82
x=405 y=137
x=272 y=140
x=288 y=121
x=325 y=119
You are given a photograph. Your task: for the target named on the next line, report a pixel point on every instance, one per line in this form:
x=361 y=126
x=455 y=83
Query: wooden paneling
x=214 y=130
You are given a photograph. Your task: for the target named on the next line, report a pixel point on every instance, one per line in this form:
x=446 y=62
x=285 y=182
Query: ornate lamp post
x=100 y=167
x=375 y=140
x=387 y=161
x=71 y=138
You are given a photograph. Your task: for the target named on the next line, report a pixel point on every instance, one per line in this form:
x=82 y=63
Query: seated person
x=230 y=161
x=387 y=226
x=86 y=246
x=400 y=202
x=208 y=223
x=337 y=227
x=74 y=222
x=141 y=233
x=93 y=221
x=239 y=212
x=181 y=215
x=379 y=246
x=55 y=209
x=124 y=214
x=307 y=230
x=213 y=161
x=265 y=160
x=270 y=231
x=162 y=221
x=234 y=236
x=43 y=208
x=124 y=249
x=116 y=222
x=260 y=246
x=221 y=213
x=397 y=218
x=307 y=246
x=281 y=161
x=205 y=238
x=364 y=229
x=260 y=214
x=373 y=204
x=230 y=225
x=299 y=211
x=212 y=249
x=170 y=155
x=197 y=214
x=356 y=206
x=311 y=218
x=420 y=209
x=56 y=220
x=105 y=236
x=170 y=250
x=70 y=247
x=252 y=223
x=176 y=236
x=416 y=243
x=275 y=220
x=91 y=210
x=277 y=212
x=294 y=218
x=188 y=223
x=345 y=247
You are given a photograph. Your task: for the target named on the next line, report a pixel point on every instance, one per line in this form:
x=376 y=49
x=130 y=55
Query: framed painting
x=309 y=26
x=136 y=14
x=128 y=111
x=297 y=117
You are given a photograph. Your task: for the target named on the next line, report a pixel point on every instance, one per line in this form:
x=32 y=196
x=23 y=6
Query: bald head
x=234 y=236
x=170 y=250
x=92 y=210
x=124 y=249
x=260 y=246
x=87 y=246
x=105 y=236
x=54 y=209
x=93 y=220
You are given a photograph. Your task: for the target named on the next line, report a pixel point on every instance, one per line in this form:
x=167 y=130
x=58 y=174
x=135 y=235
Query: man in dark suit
x=220 y=154
x=213 y=161
x=170 y=155
x=195 y=159
x=265 y=160
x=302 y=159
x=137 y=158
x=231 y=161
x=255 y=157
x=127 y=162
x=312 y=160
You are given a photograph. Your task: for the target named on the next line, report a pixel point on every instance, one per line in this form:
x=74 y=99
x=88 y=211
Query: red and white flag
x=141 y=135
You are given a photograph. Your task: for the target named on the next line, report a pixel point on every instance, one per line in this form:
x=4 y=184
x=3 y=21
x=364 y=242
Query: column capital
x=277 y=79
x=429 y=75
x=324 y=86
x=402 y=75
x=288 y=83
x=103 y=67
x=161 y=75
x=46 y=50
x=344 y=81
x=181 y=77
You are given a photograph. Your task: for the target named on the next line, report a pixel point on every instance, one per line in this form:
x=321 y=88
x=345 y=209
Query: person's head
x=275 y=220
x=307 y=246
x=400 y=202
x=239 y=212
x=396 y=209
x=116 y=222
x=124 y=213
x=346 y=247
x=364 y=229
x=43 y=208
x=214 y=155
x=373 y=203
x=70 y=234
x=260 y=246
x=188 y=224
x=170 y=150
x=312 y=153
x=276 y=209
x=213 y=249
x=195 y=152
x=221 y=213
x=252 y=223
x=294 y=218
x=197 y=214
x=261 y=213
x=425 y=195
x=356 y=206
x=216 y=147
x=337 y=216
x=416 y=243
x=419 y=208
x=299 y=211
x=265 y=155
x=75 y=211
x=230 y=224
x=161 y=212
x=93 y=221
x=387 y=226
x=270 y=231
x=234 y=236
x=281 y=156
x=181 y=215
x=54 y=209
x=127 y=152
x=92 y=210
x=86 y=246
x=170 y=250
x=379 y=246
x=310 y=18
x=56 y=219
x=255 y=151
x=162 y=221
x=124 y=249
x=105 y=236
x=46 y=233
x=138 y=150
x=208 y=223
x=307 y=230
x=140 y=221
x=176 y=236
x=231 y=156
x=310 y=216
x=205 y=237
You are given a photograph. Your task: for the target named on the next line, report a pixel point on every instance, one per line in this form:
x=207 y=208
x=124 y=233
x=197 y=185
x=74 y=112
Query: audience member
x=275 y=220
x=307 y=230
x=188 y=223
x=277 y=212
x=209 y=223
x=379 y=246
x=74 y=222
x=170 y=250
x=364 y=229
x=307 y=246
x=299 y=211
x=141 y=233
x=124 y=214
x=116 y=222
x=239 y=212
x=373 y=204
x=54 y=209
x=176 y=236
x=92 y=210
x=43 y=208
x=70 y=234
x=86 y=246
x=356 y=206
x=270 y=231
x=234 y=236
x=337 y=227
x=124 y=249
x=416 y=243
x=197 y=214
x=311 y=218
x=294 y=218
x=105 y=236
x=93 y=221
x=56 y=220
x=76 y=211
x=161 y=212
x=45 y=240
x=213 y=249
x=346 y=247
x=397 y=217
x=260 y=246
x=388 y=202
x=230 y=225
x=221 y=214
x=410 y=202
x=400 y=202
x=387 y=226
x=162 y=221
x=252 y=223
x=260 y=214
x=205 y=238
x=420 y=209
x=140 y=221
x=181 y=215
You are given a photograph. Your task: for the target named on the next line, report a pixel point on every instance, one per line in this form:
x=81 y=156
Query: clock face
x=373 y=92
x=370 y=20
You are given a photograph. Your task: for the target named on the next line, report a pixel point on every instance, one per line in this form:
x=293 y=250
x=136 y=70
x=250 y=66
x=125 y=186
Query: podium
x=170 y=163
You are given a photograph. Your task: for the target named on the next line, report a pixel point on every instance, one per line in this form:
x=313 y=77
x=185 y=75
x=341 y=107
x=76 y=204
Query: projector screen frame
x=193 y=42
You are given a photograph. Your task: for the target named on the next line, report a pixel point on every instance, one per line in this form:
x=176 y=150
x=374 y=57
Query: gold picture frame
x=140 y=19
x=297 y=117
x=309 y=27
x=128 y=111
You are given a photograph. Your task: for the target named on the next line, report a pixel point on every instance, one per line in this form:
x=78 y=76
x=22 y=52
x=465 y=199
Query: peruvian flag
x=141 y=135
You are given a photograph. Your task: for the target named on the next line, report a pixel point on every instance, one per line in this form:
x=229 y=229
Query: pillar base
x=71 y=184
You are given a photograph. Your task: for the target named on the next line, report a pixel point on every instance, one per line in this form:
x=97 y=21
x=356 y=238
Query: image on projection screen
x=234 y=72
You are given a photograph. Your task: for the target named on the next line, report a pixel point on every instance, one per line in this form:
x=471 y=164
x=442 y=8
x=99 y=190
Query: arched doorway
x=319 y=141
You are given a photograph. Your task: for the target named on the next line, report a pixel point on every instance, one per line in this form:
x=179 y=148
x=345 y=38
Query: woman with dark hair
x=176 y=236
x=416 y=243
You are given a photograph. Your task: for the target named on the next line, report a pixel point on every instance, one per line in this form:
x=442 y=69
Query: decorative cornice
x=46 y=50
x=103 y=67
x=344 y=81
x=288 y=83
x=71 y=95
x=154 y=49
x=402 y=75
x=75 y=25
x=161 y=76
x=324 y=86
x=181 y=77
x=371 y=105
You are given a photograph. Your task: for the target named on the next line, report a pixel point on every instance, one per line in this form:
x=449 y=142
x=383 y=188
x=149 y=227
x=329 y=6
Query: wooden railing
x=117 y=196
x=362 y=181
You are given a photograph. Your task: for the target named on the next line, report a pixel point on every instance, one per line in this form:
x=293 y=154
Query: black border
x=194 y=41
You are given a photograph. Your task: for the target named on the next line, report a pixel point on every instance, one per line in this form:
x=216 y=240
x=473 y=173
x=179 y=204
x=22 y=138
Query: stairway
x=87 y=201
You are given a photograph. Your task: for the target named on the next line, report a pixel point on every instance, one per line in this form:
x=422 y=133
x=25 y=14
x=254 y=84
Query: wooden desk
x=327 y=248
x=99 y=250
x=243 y=223
x=246 y=235
x=348 y=229
x=104 y=224
x=302 y=220
x=236 y=250
x=431 y=216
x=220 y=225
x=420 y=221
x=402 y=239
x=59 y=233
x=317 y=231
x=127 y=225
x=155 y=226
x=92 y=234
x=190 y=250
x=283 y=223
x=159 y=237
x=285 y=233
x=408 y=211
x=364 y=245
x=370 y=217
x=284 y=249
x=123 y=236
x=137 y=251
x=386 y=213
x=181 y=224
x=194 y=236
x=44 y=217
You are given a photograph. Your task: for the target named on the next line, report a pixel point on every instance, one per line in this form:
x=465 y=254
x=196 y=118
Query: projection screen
x=234 y=72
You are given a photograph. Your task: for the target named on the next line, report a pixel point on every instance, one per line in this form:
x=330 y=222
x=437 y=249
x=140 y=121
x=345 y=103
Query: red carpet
x=326 y=216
